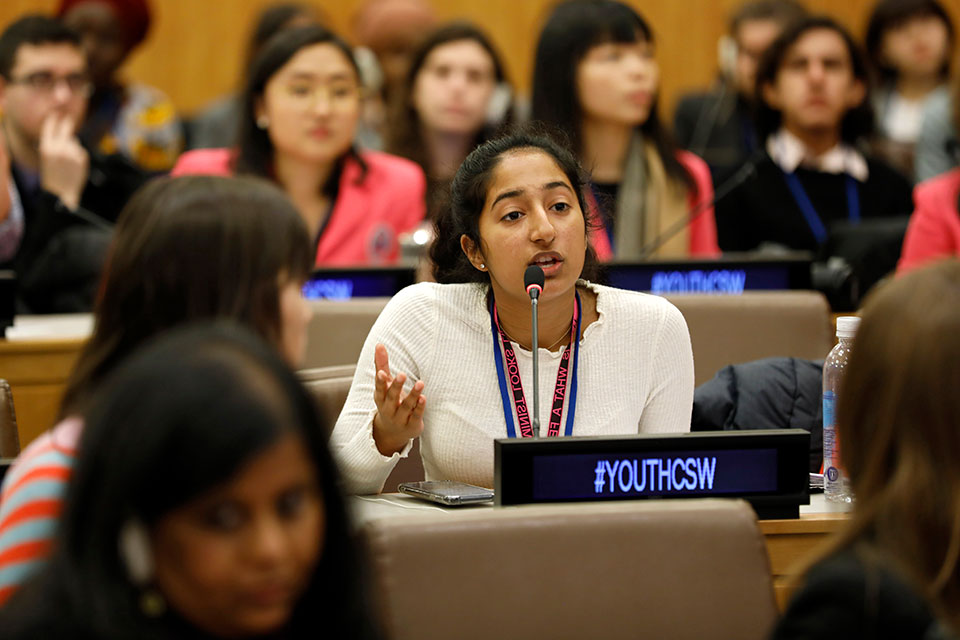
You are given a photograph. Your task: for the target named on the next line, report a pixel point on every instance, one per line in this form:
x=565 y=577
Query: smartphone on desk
x=447 y=492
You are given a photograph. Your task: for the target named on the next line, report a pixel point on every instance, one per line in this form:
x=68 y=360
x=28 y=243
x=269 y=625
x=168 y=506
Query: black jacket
x=773 y=393
x=60 y=256
x=763 y=210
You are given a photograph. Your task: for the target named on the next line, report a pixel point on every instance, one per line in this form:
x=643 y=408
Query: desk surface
x=818 y=516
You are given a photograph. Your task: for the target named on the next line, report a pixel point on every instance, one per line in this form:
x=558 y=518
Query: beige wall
x=195 y=47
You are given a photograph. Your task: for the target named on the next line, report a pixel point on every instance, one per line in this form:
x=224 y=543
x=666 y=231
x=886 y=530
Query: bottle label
x=831 y=446
x=829 y=402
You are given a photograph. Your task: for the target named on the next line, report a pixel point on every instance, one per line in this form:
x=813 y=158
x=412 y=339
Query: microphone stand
x=534 y=307
x=745 y=172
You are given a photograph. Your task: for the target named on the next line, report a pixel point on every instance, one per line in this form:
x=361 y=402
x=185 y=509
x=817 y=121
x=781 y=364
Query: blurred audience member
x=186 y=249
x=894 y=570
x=934 y=229
x=909 y=43
x=391 y=30
x=133 y=119
x=937 y=147
x=812 y=89
x=718 y=125
x=62 y=196
x=596 y=80
x=204 y=505
x=455 y=97
x=217 y=125
x=301 y=105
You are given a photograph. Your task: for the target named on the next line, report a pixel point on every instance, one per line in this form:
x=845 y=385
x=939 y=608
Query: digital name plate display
x=718 y=277
x=344 y=284
x=767 y=468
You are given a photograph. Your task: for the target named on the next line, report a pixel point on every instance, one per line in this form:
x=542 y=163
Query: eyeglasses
x=336 y=95
x=44 y=82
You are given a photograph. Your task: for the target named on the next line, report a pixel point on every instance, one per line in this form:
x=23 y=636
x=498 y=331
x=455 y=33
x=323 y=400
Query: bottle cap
x=847 y=326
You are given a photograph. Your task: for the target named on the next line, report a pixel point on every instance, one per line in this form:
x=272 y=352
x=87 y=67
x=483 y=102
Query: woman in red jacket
x=596 y=79
x=301 y=105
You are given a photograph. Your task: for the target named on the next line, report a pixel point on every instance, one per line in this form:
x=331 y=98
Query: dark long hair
x=887 y=14
x=468 y=194
x=254 y=149
x=573 y=28
x=405 y=138
x=187 y=249
x=897 y=417
x=857 y=123
x=180 y=417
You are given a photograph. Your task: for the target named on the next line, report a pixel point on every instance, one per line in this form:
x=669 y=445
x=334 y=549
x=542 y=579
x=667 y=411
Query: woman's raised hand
x=399 y=416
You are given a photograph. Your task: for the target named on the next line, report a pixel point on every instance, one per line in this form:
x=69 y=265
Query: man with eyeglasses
x=57 y=199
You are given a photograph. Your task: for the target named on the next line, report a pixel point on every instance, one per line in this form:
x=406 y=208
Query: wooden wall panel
x=195 y=47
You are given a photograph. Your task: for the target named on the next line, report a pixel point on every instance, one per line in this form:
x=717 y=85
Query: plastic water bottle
x=836 y=485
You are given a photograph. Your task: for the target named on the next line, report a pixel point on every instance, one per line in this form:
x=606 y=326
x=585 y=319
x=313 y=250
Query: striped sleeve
x=30 y=503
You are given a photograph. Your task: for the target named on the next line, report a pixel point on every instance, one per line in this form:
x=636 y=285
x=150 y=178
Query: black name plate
x=766 y=468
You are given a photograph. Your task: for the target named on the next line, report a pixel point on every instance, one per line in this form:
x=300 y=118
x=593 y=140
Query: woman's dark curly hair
x=468 y=193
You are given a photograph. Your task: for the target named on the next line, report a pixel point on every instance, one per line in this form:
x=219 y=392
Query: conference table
x=789 y=542
x=36 y=358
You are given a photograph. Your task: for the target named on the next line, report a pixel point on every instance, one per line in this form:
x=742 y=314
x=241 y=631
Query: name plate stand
x=769 y=469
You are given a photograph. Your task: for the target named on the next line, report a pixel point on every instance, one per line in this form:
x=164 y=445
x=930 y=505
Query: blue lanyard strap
x=502 y=378
x=810 y=213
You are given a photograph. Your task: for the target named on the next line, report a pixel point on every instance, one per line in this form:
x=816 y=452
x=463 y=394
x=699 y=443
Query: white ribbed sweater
x=635 y=374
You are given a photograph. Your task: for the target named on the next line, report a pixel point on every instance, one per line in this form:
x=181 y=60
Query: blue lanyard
x=810 y=214
x=502 y=377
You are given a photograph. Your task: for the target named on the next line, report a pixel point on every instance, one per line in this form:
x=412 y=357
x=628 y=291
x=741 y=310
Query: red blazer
x=934 y=229
x=367 y=216
x=703 y=229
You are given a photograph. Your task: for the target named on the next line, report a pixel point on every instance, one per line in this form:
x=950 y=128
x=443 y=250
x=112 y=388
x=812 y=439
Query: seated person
x=596 y=79
x=938 y=145
x=718 y=125
x=204 y=505
x=186 y=249
x=909 y=43
x=934 y=228
x=388 y=32
x=893 y=571
x=133 y=119
x=455 y=97
x=612 y=361
x=812 y=84
x=301 y=105
x=62 y=196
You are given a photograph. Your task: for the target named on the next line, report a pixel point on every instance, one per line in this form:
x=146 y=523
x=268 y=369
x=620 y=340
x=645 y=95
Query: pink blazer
x=934 y=229
x=368 y=215
x=703 y=230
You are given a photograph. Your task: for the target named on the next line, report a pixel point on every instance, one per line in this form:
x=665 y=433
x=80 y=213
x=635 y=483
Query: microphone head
x=533 y=279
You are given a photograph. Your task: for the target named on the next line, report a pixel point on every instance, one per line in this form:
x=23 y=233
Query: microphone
x=533 y=282
x=747 y=171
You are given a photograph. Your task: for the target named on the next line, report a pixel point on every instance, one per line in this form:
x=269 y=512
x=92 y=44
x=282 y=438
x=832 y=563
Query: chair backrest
x=9 y=438
x=673 y=569
x=733 y=329
x=723 y=329
x=329 y=387
x=338 y=328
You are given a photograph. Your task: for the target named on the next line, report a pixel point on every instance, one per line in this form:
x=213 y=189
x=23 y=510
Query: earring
x=482 y=266
x=263 y=122
x=134 y=547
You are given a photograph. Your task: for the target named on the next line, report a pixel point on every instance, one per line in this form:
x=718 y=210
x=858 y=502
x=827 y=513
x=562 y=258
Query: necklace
x=551 y=347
